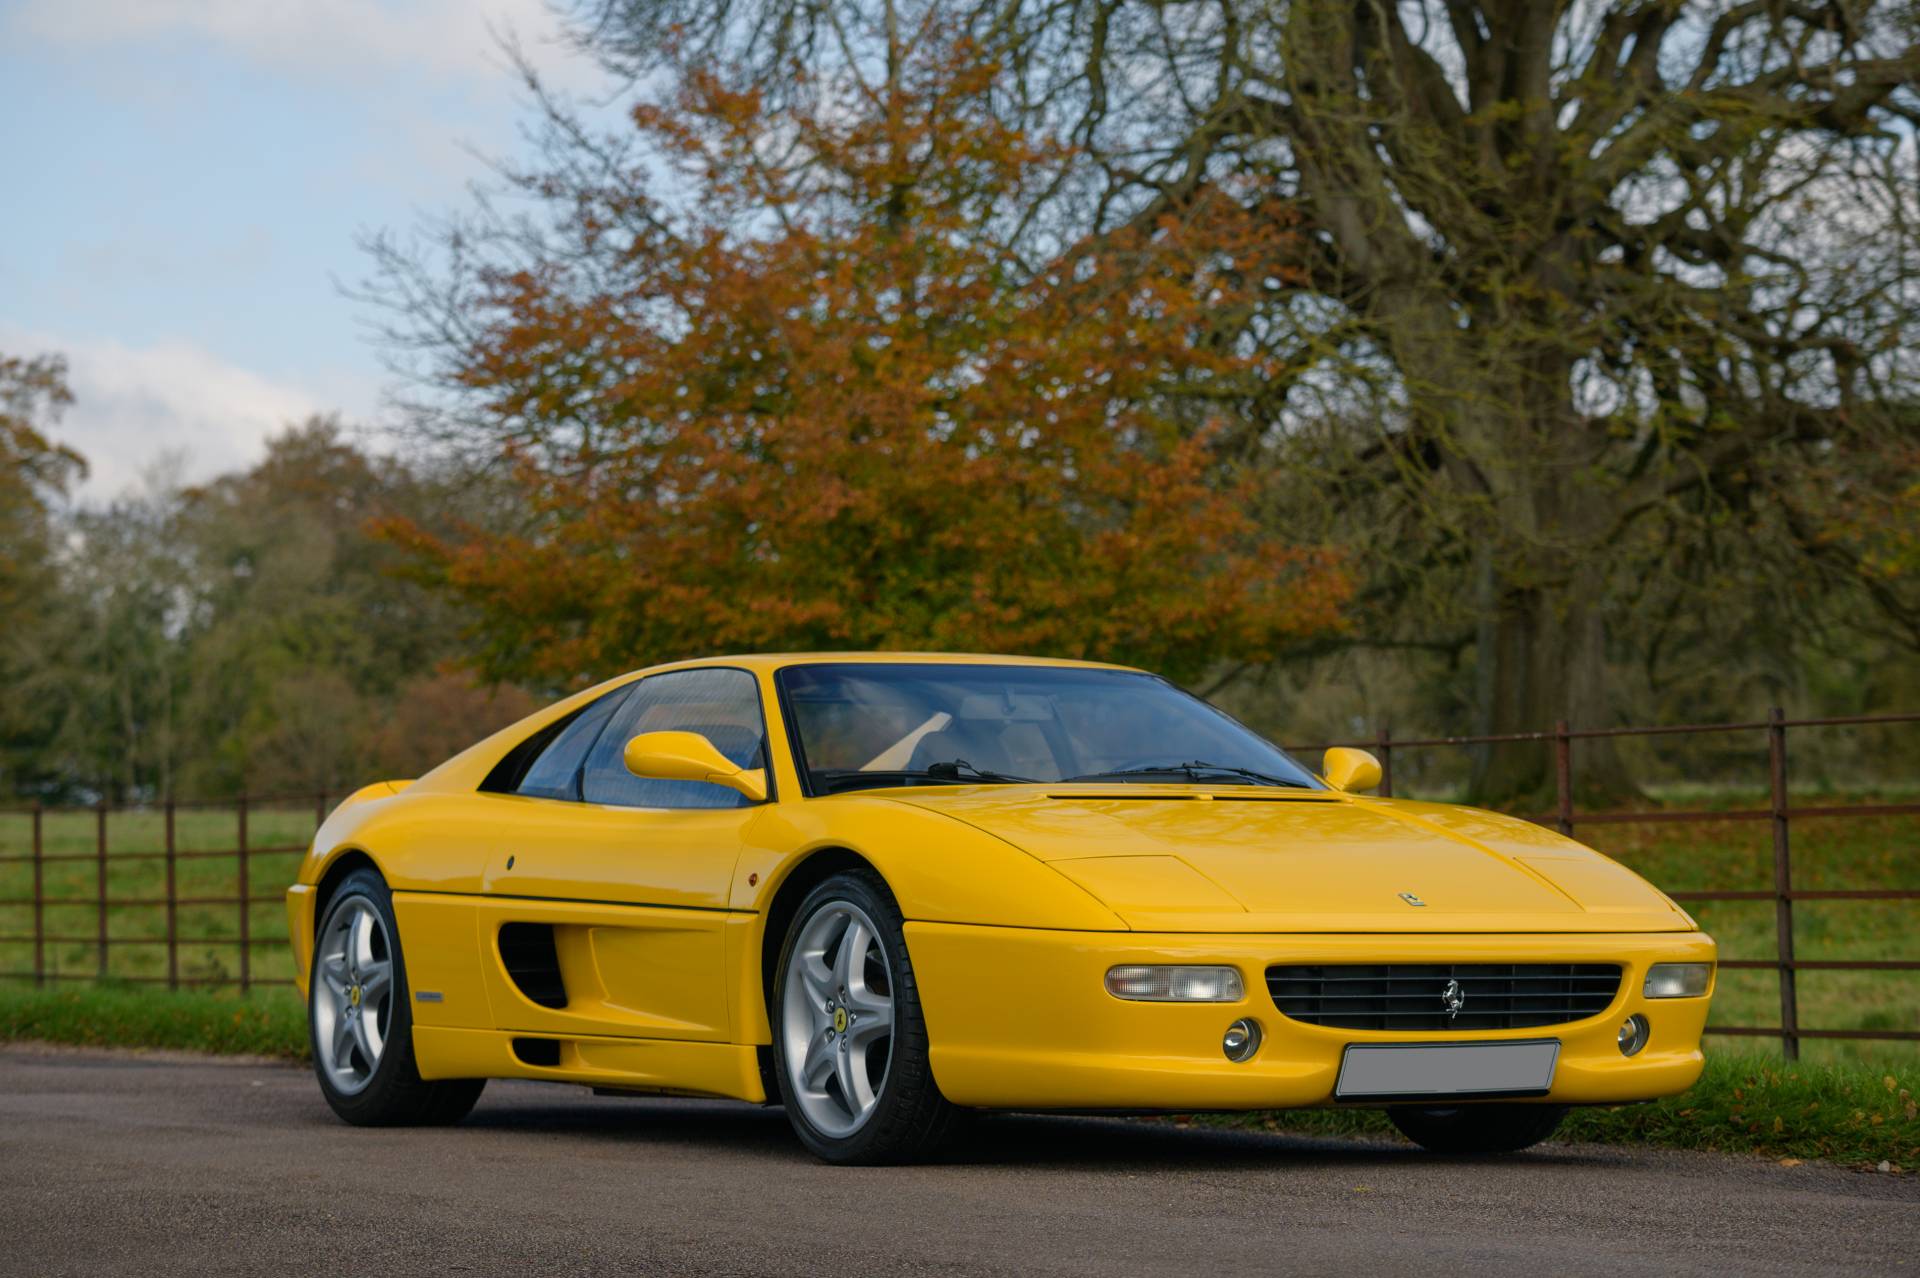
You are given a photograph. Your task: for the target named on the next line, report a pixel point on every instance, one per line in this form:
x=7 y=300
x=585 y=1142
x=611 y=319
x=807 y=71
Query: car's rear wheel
x=1476 y=1129
x=849 y=1040
x=361 y=1022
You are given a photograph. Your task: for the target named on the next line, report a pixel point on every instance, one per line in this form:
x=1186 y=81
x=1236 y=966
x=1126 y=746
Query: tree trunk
x=1543 y=582
x=1542 y=658
x=1520 y=459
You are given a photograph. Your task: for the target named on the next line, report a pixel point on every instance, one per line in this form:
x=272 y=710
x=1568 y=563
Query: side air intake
x=537 y=1051
x=532 y=963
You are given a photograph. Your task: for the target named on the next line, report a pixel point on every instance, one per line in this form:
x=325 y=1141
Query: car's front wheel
x=1476 y=1129
x=360 y=1021
x=849 y=1042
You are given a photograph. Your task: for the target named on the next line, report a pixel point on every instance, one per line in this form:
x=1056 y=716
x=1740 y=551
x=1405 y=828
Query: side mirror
x=688 y=756
x=1353 y=771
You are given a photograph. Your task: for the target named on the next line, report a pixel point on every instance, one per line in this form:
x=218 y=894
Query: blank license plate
x=1412 y=1070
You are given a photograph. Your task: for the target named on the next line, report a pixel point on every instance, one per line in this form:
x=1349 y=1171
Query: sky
x=186 y=184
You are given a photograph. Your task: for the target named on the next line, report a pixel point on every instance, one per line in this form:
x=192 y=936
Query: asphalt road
x=124 y=1164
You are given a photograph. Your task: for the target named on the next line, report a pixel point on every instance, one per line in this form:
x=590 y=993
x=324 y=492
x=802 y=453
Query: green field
x=205 y=867
x=1828 y=853
x=1864 y=852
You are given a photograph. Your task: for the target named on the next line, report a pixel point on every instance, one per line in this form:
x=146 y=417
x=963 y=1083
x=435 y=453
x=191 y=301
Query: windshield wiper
x=946 y=772
x=961 y=770
x=1193 y=771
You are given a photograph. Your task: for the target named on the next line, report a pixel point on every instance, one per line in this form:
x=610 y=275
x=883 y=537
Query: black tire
x=910 y=1121
x=394 y=1094
x=1476 y=1129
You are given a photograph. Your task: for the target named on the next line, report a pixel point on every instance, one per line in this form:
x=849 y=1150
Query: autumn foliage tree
x=35 y=470
x=35 y=473
x=778 y=379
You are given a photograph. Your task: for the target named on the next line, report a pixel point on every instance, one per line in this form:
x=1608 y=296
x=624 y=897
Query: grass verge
x=104 y=1016
x=1854 y=1114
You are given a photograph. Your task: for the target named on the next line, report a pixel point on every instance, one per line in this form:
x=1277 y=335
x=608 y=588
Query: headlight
x=1678 y=980
x=1175 y=984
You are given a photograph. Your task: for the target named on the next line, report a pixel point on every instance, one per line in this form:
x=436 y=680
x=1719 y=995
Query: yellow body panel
x=1018 y=899
x=633 y=971
x=1305 y=862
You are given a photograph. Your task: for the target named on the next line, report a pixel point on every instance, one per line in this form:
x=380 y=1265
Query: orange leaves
x=832 y=408
x=33 y=392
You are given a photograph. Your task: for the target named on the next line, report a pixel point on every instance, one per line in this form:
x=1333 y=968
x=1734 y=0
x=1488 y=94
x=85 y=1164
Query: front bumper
x=1020 y=1019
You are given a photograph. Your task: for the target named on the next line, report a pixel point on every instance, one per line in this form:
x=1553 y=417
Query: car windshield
x=865 y=725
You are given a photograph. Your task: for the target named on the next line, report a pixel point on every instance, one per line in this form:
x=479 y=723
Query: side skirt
x=728 y=1070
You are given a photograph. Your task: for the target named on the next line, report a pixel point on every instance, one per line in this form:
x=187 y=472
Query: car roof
x=769 y=661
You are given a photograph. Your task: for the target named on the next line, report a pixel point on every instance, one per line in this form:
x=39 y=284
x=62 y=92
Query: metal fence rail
x=171 y=900
x=1779 y=813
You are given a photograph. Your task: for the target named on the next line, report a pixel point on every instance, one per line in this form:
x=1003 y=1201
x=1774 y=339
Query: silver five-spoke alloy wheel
x=352 y=995
x=837 y=1018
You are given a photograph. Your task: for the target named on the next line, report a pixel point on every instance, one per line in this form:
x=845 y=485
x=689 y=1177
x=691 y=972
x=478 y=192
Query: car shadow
x=1067 y=1141
x=1037 y=1141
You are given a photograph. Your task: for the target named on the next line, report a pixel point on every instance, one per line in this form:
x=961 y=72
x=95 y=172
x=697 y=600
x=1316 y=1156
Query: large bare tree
x=1584 y=298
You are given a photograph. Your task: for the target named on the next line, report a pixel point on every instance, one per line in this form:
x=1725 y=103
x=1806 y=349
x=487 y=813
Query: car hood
x=1248 y=859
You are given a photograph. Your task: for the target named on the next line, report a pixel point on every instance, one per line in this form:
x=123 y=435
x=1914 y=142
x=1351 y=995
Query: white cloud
x=444 y=37
x=135 y=406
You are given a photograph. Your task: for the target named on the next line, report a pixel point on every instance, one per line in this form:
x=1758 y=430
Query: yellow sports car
x=883 y=889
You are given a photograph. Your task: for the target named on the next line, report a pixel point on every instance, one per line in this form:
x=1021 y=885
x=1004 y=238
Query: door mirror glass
x=688 y=756
x=1354 y=771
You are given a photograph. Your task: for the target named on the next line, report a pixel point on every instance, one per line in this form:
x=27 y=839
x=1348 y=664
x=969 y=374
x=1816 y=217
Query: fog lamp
x=1241 y=1040
x=1633 y=1035
x=1175 y=984
x=1678 y=980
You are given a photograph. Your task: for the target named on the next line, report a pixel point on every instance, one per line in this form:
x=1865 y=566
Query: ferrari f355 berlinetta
x=883 y=890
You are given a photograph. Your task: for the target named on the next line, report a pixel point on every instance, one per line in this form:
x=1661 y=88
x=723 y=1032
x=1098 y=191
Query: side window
x=721 y=705
x=555 y=772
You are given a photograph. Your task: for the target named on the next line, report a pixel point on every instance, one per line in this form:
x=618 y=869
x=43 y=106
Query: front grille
x=1413 y=996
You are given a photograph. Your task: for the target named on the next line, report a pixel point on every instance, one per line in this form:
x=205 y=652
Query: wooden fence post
x=246 y=909
x=1384 y=743
x=1783 y=884
x=39 y=901
x=173 y=907
x=100 y=854
x=1563 y=775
